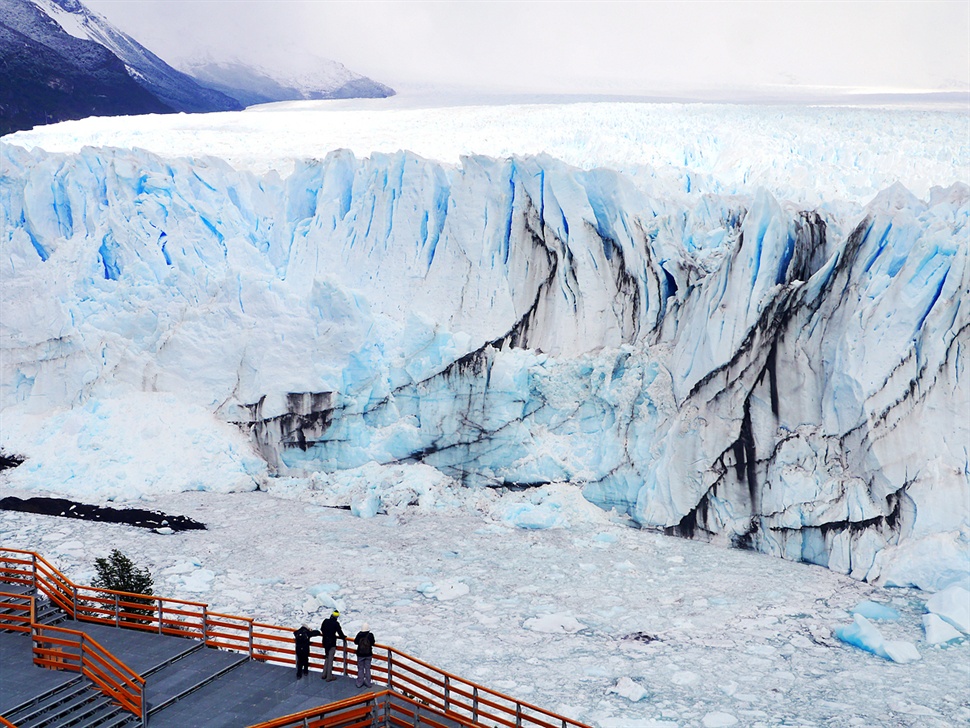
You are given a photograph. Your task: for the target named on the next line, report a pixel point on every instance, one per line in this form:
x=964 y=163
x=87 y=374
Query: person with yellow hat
x=330 y=629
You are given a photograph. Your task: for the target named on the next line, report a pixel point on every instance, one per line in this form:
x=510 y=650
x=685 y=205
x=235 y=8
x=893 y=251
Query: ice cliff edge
x=726 y=367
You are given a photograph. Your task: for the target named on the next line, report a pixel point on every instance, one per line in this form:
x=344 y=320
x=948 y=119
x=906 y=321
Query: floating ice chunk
x=366 y=507
x=876 y=611
x=937 y=631
x=629 y=689
x=164 y=531
x=323 y=596
x=684 y=677
x=866 y=636
x=444 y=590
x=540 y=517
x=199 y=581
x=952 y=605
x=625 y=722
x=184 y=567
x=554 y=624
x=326 y=601
x=862 y=634
x=899 y=651
x=718 y=719
x=900 y=705
x=324 y=589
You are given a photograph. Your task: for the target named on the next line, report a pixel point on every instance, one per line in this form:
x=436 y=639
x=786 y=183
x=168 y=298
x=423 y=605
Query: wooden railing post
x=161 y=615
x=447 y=685
x=518 y=714
x=250 y=639
x=117 y=613
x=474 y=703
x=390 y=669
x=205 y=623
x=345 y=656
x=74 y=601
x=33 y=571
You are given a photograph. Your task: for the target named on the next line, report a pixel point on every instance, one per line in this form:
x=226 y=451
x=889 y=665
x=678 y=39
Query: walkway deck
x=20 y=679
x=236 y=692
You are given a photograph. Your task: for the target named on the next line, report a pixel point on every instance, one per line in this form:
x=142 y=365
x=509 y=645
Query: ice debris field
x=519 y=343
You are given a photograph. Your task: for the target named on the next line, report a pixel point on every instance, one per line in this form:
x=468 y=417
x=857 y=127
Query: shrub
x=118 y=572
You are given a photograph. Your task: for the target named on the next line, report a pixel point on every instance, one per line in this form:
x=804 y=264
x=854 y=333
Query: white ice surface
x=739 y=634
x=805 y=155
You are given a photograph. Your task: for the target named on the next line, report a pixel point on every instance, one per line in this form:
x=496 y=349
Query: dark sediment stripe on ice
x=9 y=461
x=130 y=516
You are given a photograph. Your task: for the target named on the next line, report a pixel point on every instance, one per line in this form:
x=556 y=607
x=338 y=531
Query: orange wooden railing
x=383 y=708
x=460 y=699
x=18 y=612
x=58 y=648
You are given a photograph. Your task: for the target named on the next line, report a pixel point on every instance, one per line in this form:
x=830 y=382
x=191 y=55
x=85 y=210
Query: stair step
x=22 y=714
x=98 y=717
x=73 y=715
x=55 y=716
x=124 y=718
x=37 y=700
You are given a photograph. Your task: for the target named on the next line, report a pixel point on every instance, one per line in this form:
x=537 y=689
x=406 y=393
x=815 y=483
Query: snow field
x=807 y=155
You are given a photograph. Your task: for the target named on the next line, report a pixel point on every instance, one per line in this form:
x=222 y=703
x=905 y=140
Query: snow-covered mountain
x=173 y=88
x=48 y=75
x=305 y=78
x=688 y=346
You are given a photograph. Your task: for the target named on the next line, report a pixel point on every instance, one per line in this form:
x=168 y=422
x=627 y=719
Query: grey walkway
x=141 y=651
x=252 y=693
x=186 y=684
x=20 y=679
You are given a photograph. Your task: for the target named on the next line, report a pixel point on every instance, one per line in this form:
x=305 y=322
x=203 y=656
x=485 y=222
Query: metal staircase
x=78 y=703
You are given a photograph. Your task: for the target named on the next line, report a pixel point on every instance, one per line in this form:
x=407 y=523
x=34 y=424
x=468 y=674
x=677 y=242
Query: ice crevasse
x=729 y=367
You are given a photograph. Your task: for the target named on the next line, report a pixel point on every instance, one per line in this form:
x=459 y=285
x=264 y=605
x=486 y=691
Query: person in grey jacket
x=330 y=629
x=365 y=651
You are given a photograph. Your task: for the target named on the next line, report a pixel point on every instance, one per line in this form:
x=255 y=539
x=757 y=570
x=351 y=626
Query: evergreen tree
x=118 y=572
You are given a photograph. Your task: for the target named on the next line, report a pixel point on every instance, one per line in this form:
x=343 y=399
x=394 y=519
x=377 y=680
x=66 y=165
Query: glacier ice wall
x=728 y=367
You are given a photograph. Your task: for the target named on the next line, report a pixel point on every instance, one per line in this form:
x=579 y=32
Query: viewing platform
x=83 y=656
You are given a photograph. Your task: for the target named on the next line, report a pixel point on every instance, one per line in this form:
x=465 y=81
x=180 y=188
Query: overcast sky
x=580 y=46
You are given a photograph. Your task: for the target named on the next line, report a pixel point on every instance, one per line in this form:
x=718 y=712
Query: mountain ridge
x=62 y=61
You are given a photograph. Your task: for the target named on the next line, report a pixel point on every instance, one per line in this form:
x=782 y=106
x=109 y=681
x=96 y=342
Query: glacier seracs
x=728 y=366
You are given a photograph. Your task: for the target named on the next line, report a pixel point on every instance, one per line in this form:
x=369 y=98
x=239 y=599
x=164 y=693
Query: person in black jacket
x=365 y=651
x=330 y=628
x=302 y=638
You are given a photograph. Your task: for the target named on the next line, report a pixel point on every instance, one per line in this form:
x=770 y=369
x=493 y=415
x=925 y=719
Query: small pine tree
x=118 y=572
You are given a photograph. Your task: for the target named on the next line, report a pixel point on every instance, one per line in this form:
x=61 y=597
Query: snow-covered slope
x=48 y=75
x=688 y=346
x=307 y=78
x=174 y=88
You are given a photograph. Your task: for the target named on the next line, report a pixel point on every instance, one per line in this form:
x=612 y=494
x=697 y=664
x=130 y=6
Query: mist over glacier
x=775 y=358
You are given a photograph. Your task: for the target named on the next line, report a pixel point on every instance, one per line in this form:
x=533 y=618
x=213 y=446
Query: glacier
x=716 y=361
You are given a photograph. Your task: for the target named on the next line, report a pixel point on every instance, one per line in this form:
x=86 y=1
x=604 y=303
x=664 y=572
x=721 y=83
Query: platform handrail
x=20 y=616
x=60 y=648
x=379 y=706
x=461 y=700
